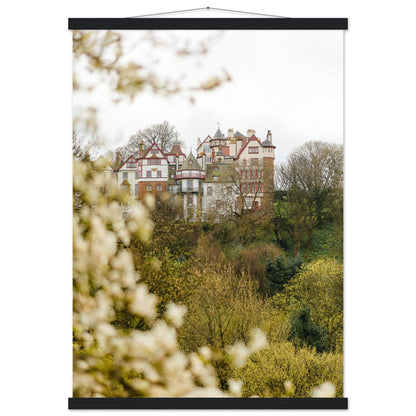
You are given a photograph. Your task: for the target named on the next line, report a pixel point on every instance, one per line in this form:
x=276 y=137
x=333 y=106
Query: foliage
x=281 y=370
x=171 y=280
x=304 y=332
x=254 y=260
x=312 y=178
x=327 y=242
x=279 y=272
x=319 y=285
x=110 y=361
x=223 y=309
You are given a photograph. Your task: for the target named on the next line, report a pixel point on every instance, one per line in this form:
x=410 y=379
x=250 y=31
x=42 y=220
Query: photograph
x=208 y=177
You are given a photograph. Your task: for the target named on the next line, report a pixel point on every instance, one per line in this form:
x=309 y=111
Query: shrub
x=266 y=373
x=254 y=259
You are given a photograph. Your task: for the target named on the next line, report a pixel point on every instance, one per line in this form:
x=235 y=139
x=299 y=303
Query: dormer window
x=216 y=168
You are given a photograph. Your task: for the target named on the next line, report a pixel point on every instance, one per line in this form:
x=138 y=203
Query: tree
x=279 y=272
x=319 y=287
x=304 y=332
x=224 y=308
x=312 y=177
x=239 y=199
x=163 y=134
x=83 y=147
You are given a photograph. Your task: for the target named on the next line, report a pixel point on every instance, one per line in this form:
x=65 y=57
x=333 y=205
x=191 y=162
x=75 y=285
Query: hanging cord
x=208 y=8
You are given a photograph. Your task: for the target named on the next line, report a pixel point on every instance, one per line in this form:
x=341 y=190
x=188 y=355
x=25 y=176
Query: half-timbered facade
x=153 y=170
x=230 y=173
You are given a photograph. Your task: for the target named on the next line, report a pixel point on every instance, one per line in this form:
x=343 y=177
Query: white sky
x=290 y=82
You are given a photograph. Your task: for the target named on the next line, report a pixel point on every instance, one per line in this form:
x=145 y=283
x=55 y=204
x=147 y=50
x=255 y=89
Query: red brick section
x=142 y=188
x=268 y=173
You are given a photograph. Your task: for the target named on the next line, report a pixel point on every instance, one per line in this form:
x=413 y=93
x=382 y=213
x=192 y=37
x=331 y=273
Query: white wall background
x=35 y=232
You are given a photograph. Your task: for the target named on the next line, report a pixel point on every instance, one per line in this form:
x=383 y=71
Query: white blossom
x=143 y=303
x=239 y=353
x=175 y=314
x=258 y=340
x=326 y=389
x=235 y=387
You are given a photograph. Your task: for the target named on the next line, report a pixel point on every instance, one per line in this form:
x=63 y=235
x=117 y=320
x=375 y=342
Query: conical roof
x=268 y=142
x=190 y=163
x=218 y=135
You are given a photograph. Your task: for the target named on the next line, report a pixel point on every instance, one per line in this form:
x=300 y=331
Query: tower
x=268 y=168
x=190 y=176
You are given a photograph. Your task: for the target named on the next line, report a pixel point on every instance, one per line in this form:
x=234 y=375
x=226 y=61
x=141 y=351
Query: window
x=149 y=187
x=190 y=162
x=254 y=161
x=209 y=191
x=159 y=187
x=159 y=173
x=136 y=189
x=172 y=176
x=131 y=165
x=253 y=149
x=154 y=161
x=215 y=178
x=125 y=175
x=216 y=168
x=149 y=174
x=190 y=199
x=219 y=204
x=153 y=152
x=137 y=175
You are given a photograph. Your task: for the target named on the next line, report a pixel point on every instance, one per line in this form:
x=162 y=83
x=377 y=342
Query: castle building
x=228 y=174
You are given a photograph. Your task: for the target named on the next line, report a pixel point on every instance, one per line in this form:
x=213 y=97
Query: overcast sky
x=289 y=82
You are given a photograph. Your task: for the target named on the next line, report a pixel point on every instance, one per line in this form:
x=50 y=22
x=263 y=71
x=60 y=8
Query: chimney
x=177 y=161
x=141 y=148
x=269 y=136
x=230 y=133
x=119 y=158
x=250 y=132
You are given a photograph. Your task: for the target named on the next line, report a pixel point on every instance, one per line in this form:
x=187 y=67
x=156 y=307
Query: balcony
x=190 y=174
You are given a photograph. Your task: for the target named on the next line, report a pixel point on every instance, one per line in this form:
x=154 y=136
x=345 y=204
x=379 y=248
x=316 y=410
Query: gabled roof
x=176 y=149
x=251 y=139
x=154 y=146
x=207 y=139
x=190 y=163
x=130 y=159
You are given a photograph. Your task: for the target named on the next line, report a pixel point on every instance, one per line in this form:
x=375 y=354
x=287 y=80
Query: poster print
x=208 y=221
